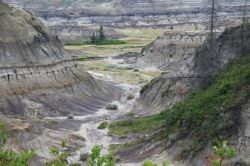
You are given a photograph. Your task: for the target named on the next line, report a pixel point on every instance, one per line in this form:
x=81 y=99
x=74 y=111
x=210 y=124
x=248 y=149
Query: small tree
x=222 y=152
x=93 y=38
x=101 y=34
x=96 y=159
x=60 y=155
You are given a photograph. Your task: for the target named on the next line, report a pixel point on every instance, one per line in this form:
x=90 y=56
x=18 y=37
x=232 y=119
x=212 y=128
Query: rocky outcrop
x=181 y=14
x=208 y=61
x=173 y=53
x=171 y=50
x=37 y=77
x=73 y=32
x=186 y=73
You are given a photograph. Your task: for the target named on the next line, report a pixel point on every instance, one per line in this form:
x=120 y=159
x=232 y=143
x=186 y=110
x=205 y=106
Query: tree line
x=99 y=38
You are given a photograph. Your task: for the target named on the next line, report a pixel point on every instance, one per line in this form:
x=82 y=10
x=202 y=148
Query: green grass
x=87 y=58
x=9 y=157
x=130 y=114
x=115 y=148
x=213 y=112
x=105 y=42
x=137 y=125
x=204 y=115
x=103 y=125
x=119 y=73
x=135 y=39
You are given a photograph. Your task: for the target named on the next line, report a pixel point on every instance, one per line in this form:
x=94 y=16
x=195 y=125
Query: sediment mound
x=37 y=77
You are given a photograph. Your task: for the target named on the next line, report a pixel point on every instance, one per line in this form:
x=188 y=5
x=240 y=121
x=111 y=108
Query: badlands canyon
x=149 y=81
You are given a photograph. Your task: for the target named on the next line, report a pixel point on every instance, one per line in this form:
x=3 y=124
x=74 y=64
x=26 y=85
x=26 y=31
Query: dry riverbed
x=127 y=78
x=115 y=70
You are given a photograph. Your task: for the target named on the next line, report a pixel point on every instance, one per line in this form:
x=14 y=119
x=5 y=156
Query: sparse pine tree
x=93 y=38
x=101 y=34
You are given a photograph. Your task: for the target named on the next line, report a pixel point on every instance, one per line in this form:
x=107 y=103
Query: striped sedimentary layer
x=37 y=77
x=76 y=17
x=171 y=50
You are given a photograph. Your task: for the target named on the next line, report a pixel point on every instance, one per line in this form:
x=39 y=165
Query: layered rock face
x=37 y=77
x=173 y=53
x=186 y=72
x=171 y=50
x=181 y=14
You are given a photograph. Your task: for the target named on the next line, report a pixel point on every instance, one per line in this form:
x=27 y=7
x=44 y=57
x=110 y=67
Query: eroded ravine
x=89 y=131
x=90 y=123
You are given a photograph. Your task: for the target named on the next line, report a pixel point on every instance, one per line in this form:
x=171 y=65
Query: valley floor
x=115 y=70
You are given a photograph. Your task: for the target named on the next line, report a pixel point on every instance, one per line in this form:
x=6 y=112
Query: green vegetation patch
x=11 y=158
x=212 y=113
x=115 y=148
x=87 y=58
x=137 y=125
x=204 y=115
x=104 y=42
x=103 y=125
x=103 y=1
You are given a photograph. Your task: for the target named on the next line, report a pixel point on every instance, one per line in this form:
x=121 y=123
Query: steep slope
x=38 y=78
x=193 y=70
x=216 y=107
x=188 y=130
x=170 y=50
x=79 y=15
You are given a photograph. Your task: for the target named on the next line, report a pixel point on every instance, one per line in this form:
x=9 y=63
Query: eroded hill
x=80 y=17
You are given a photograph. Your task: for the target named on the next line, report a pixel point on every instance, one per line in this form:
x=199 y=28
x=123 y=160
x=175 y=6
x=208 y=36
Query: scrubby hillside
x=217 y=111
x=185 y=72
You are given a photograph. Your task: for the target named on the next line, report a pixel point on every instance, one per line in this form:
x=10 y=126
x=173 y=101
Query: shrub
x=95 y=158
x=103 y=125
x=10 y=158
x=130 y=96
x=105 y=42
x=223 y=151
x=130 y=114
x=149 y=163
x=112 y=107
x=60 y=155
